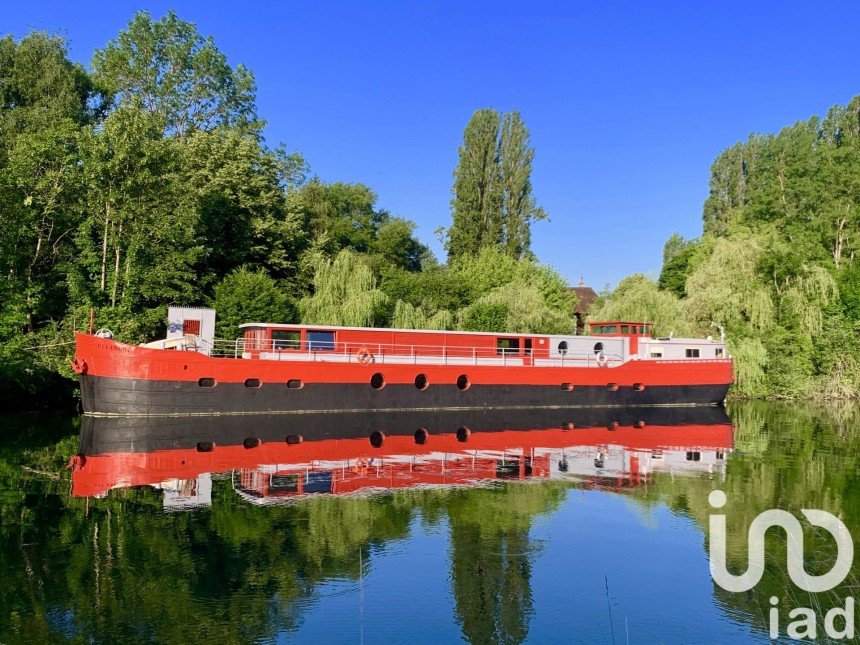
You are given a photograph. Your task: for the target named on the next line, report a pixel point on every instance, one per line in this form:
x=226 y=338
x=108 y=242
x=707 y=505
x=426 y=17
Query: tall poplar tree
x=518 y=204
x=493 y=203
x=477 y=202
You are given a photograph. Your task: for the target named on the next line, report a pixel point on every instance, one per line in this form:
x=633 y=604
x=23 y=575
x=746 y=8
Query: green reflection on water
x=121 y=569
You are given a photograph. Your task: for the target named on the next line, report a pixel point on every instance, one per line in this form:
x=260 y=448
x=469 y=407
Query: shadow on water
x=247 y=529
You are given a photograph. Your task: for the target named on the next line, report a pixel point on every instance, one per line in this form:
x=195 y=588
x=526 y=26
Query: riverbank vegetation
x=776 y=265
x=145 y=180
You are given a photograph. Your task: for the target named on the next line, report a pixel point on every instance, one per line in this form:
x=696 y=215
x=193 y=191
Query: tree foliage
x=344 y=293
x=492 y=202
x=169 y=69
x=145 y=182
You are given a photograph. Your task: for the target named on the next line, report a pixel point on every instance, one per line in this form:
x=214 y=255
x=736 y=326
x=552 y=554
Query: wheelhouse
x=619 y=329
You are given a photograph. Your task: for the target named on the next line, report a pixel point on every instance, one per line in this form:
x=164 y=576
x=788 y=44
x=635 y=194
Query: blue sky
x=627 y=103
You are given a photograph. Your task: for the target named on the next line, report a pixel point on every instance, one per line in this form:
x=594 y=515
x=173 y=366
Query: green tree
x=40 y=85
x=492 y=201
x=637 y=298
x=250 y=296
x=239 y=191
x=344 y=293
x=519 y=208
x=169 y=69
x=477 y=196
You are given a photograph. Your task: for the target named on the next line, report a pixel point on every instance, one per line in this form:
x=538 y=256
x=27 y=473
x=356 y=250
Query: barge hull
x=123 y=396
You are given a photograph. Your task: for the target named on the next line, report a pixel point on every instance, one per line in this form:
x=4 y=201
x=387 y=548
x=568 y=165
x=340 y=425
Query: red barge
x=275 y=368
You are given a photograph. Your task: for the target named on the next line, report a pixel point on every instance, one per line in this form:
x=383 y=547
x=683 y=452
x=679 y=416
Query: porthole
x=567 y=387
x=598 y=347
x=295 y=384
x=252 y=442
x=421 y=382
x=253 y=382
x=612 y=425
x=294 y=439
x=377 y=439
x=638 y=387
x=567 y=425
x=205 y=446
x=463 y=382
x=377 y=381
x=562 y=347
x=612 y=387
x=463 y=434
x=421 y=436
x=639 y=424
x=206 y=382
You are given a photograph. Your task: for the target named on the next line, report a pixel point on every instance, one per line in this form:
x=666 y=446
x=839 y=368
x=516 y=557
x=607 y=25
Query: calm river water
x=502 y=527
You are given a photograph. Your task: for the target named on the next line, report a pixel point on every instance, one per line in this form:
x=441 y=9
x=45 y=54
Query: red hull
x=95 y=475
x=128 y=379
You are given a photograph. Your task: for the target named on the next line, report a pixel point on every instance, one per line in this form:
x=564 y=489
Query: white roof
x=384 y=329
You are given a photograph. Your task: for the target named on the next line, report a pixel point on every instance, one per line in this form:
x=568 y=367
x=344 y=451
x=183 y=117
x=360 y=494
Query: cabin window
x=643 y=329
x=254 y=339
x=692 y=352
x=286 y=483
x=527 y=346
x=718 y=352
x=283 y=339
x=562 y=347
x=625 y=329
x=191 y=327
x=321 y=341
x=598 y=347
x=656 y=352
x=605 y=329
x=694 y=455
x=721 y=454
x=507 y=346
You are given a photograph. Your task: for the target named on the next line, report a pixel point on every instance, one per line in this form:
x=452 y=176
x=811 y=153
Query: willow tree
x=516 y=307
x=344 y=293
x=728 y=289
x=637 y=298
x=407 y=316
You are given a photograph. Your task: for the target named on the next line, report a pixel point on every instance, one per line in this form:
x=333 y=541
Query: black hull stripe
x=129 y=397
x=100 y=435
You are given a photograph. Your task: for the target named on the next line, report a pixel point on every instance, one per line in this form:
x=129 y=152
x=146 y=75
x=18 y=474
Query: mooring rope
x=68 y=342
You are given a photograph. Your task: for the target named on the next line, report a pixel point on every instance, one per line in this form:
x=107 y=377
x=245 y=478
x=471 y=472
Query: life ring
x=601 y=360
x=364 y=356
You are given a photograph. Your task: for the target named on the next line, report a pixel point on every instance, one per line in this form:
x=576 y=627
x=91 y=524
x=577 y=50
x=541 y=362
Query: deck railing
x=388 y=353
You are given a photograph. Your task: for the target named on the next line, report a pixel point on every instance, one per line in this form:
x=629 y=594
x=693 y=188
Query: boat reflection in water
x=283 y=458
